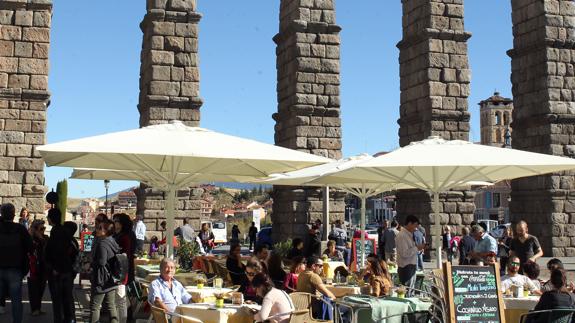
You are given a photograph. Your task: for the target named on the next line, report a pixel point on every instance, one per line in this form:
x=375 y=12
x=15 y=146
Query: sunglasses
x=250 y=274
x=515 y=264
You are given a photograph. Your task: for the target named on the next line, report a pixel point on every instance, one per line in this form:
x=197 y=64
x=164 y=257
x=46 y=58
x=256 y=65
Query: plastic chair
x=557 y=315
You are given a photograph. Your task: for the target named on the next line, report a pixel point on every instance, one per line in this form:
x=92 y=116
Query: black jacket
x=16 y=244
x=101 y=279
x=551 y=300
x=60 y=253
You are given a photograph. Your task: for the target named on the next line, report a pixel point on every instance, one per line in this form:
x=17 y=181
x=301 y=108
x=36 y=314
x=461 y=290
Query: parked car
x=265 y=236
x=499 y=230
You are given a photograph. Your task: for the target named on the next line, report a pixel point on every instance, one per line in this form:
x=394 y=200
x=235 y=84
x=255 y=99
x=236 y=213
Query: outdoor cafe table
x=368 y=309
x=146 y=261
x=144 y=271
x=208 y=313
x=205 y=294
x=343 y=290
x=514 y=307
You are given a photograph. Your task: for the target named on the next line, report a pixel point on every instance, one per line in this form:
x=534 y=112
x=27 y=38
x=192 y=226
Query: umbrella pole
x=362 y=227
x=438 y=222
x=169 y=212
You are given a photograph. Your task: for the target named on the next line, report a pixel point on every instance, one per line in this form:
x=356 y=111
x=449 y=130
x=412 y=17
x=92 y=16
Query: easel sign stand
x=473 y=293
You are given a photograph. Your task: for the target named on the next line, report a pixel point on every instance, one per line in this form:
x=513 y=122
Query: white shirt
x=140 y=230
x=275 y=302
x=519 y=280
x=406 y=248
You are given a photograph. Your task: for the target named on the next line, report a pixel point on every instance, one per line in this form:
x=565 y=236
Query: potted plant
x=186 y=253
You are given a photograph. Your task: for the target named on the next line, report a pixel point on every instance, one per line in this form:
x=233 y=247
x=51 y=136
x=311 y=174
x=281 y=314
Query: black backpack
x=118 y=268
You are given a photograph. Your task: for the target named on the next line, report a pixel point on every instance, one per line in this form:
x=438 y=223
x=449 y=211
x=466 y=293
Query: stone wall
x=543 y=77
x=24 y=98
x=169 y=90
x=308 y=117
x=434 y=83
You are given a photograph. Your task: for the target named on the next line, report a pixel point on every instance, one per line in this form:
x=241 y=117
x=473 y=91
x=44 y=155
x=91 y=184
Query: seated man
x=513 y=277
x=166 y=292
x=310 y=281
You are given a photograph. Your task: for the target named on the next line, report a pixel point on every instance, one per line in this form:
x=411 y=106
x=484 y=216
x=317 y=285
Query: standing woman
x=24 y=218
x=38 y=275
x=207 y=237
x=126 y=239
x=103 y=286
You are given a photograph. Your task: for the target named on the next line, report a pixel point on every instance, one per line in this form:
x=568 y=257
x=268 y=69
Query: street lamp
x=107 y=186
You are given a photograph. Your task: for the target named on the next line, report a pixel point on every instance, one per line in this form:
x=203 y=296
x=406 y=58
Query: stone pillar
x=434 y=82
x=24 y=98
x=308 y=117
x=543 y=77
x=169 y=90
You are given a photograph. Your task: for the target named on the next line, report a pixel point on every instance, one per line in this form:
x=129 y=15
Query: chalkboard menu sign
x=369 y=248
x=86 y=241
x=474 y=294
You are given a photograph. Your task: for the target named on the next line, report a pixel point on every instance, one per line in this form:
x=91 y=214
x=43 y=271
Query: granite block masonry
x=24 y=99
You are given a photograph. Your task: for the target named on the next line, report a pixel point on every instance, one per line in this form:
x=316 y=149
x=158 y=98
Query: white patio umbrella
x=436 y=165
x=327 y=175
x=172 y=156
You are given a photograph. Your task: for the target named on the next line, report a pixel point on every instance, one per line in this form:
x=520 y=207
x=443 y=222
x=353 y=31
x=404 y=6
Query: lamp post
x=107 y=186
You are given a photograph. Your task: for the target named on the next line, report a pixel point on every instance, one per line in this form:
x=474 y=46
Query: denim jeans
x=407 y=277
x=96 y=300
x=11 y=280
x=62 y=292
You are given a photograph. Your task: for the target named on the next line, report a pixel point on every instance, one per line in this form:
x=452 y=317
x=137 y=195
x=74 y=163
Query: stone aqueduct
x=434 y=73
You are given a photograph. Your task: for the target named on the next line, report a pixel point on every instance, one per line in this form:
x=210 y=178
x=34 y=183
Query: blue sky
x=95 y=62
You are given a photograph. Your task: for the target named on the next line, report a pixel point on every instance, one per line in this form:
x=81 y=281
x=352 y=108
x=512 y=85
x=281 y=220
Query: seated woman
x=332 y=253
x=276 y=270
x=275 y=301
x=297 y=266
x=379 y=280
x=296 y=249
x=531 y=270
x=234 y=265
x=253 y=267
x=560 y=297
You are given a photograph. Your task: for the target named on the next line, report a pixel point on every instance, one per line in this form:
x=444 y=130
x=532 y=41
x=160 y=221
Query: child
x=154 y=246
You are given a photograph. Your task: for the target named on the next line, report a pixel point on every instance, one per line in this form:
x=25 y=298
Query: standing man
x=524 y=246
x=319 y=227
x=380 y=241
x=407 y=251
x=59 y=263
x=486 y=244
x=15 y=243
x=419 y=239
x=339 y=235
x=389 y=241
x=140 y=231
x=186 y=232
x=446 y=242
x=253 y=233
x=466 y=246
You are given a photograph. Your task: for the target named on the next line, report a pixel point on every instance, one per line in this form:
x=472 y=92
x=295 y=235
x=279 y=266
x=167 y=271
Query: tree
x=62 y=191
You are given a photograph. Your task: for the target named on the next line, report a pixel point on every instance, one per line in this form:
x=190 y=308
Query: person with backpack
x=60 y=258
x=103 y=282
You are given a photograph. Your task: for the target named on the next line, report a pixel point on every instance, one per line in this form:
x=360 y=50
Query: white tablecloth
x=207 y=313
x=199 y=295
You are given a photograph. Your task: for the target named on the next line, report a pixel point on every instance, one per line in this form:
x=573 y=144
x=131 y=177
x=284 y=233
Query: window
x=498 y=118
x=496 y=199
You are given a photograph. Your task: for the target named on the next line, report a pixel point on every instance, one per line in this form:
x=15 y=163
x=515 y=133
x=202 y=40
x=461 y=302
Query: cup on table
x=525 y=293
x=200 y=285
x=219 y=302
x=218 y=282
x=515 y=290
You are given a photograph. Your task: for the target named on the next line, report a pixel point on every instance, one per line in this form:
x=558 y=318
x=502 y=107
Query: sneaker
x=2 y=310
